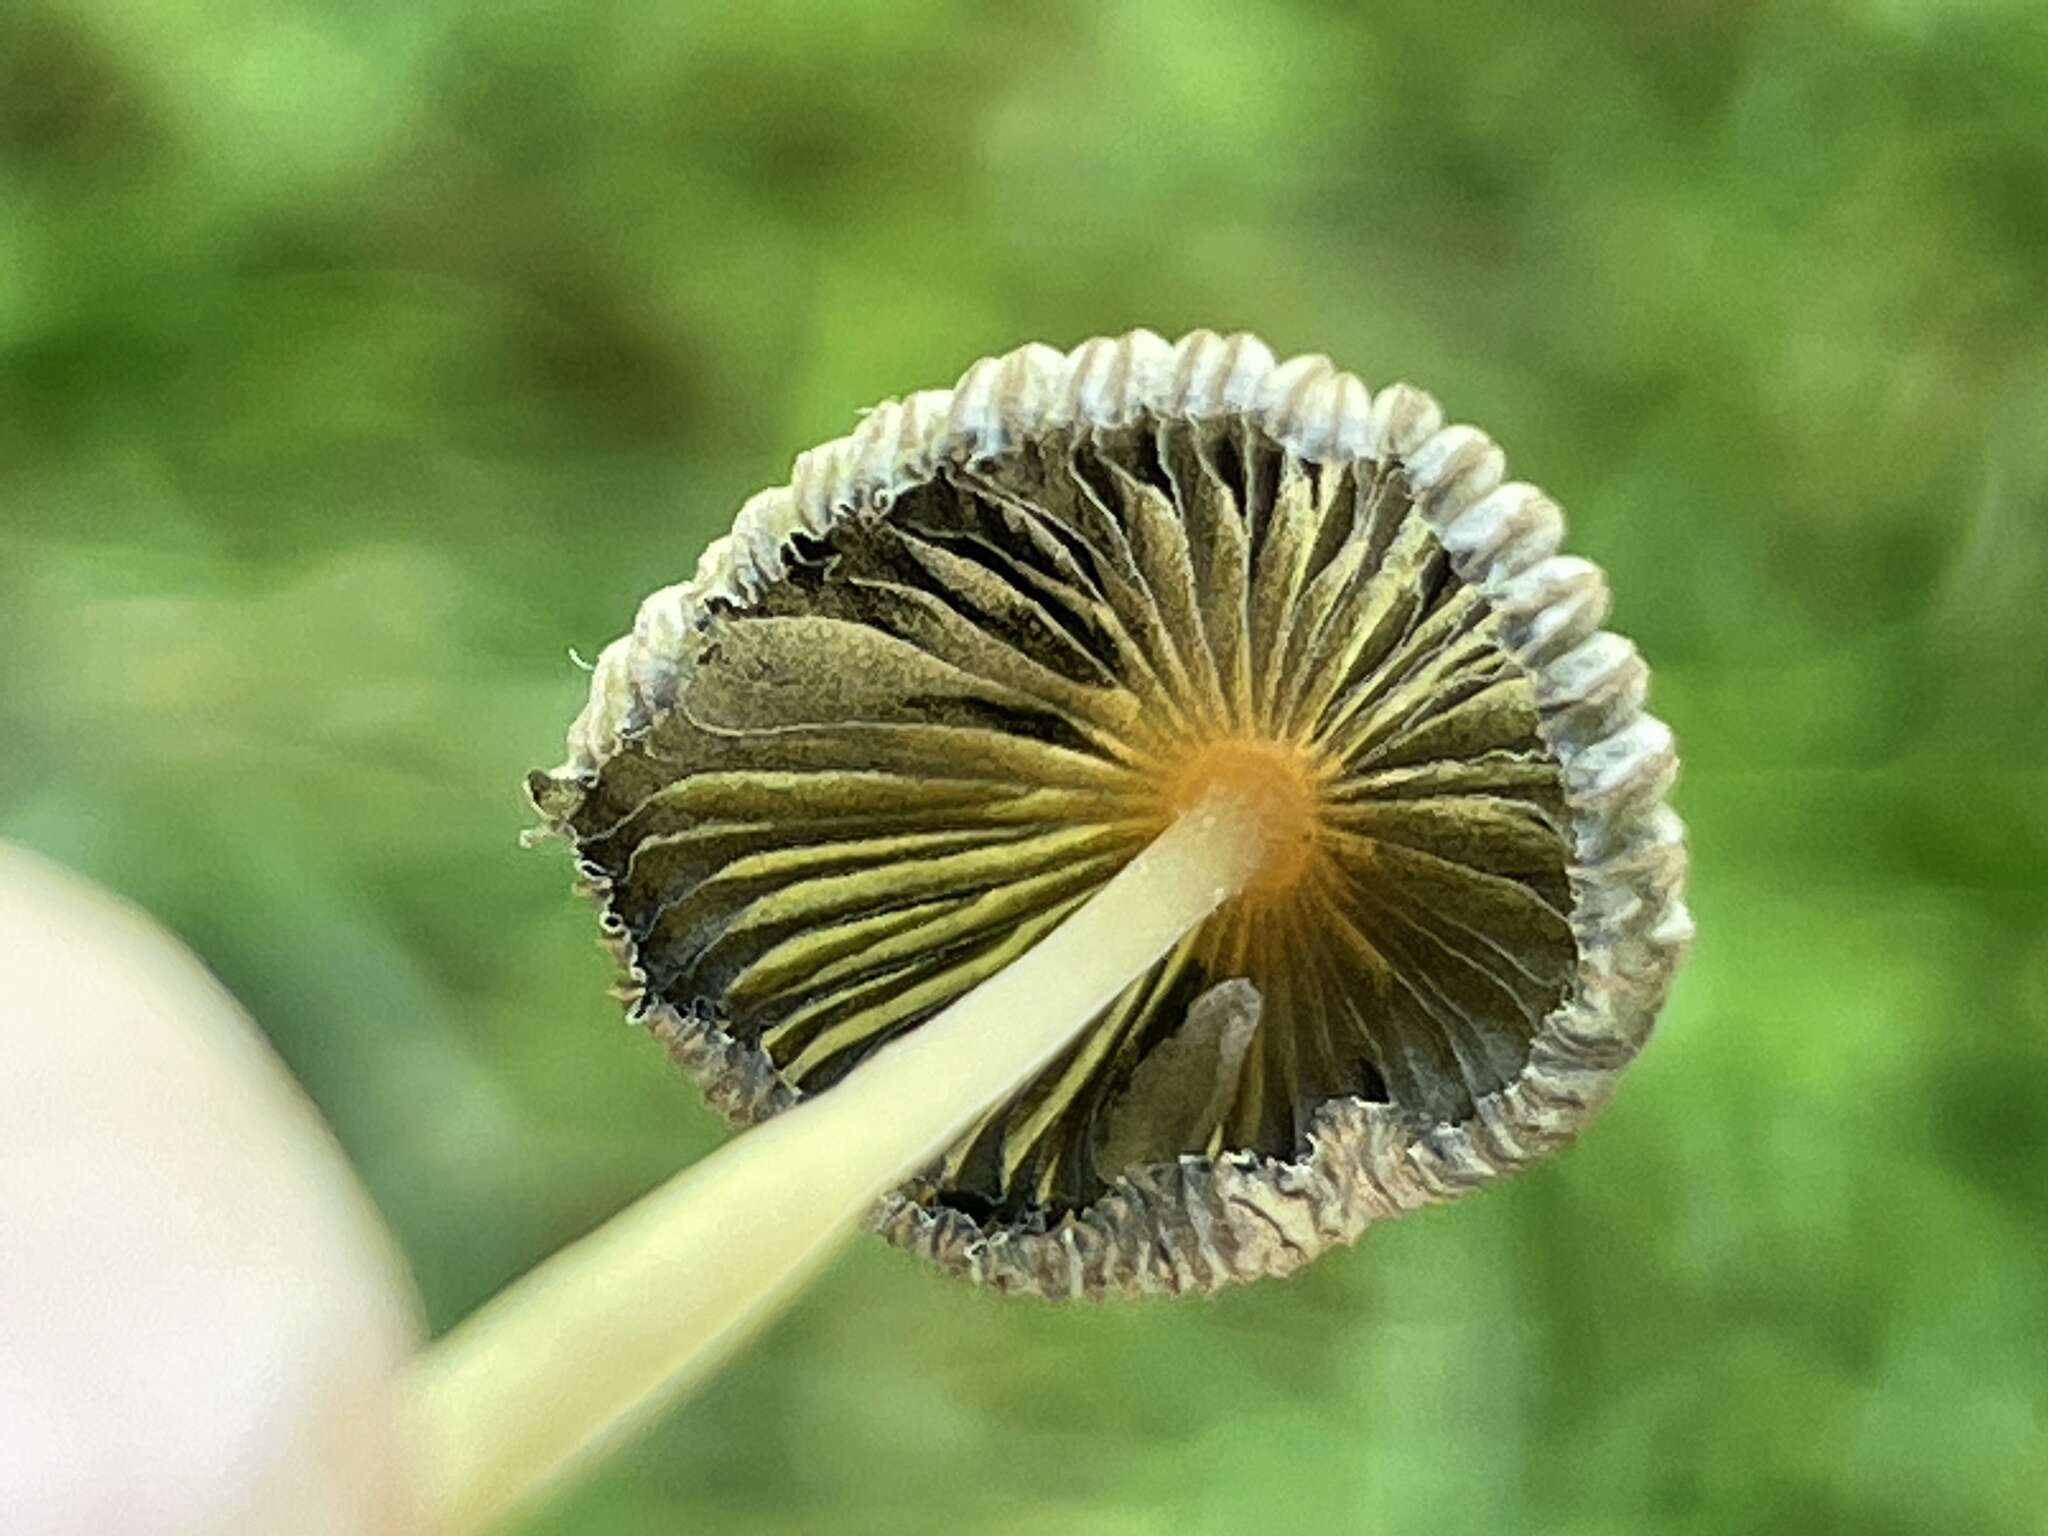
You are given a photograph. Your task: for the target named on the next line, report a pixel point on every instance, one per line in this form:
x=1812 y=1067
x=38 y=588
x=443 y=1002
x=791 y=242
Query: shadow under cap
x=926 y=699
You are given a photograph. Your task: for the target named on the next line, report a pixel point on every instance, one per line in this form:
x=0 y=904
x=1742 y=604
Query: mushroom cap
x=929 y=696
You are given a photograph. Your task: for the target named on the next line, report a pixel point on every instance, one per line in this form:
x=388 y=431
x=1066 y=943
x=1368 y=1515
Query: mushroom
x=1168 y=808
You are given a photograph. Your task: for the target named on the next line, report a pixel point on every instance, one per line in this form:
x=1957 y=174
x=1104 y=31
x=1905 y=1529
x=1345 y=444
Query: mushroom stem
x=624 y=1320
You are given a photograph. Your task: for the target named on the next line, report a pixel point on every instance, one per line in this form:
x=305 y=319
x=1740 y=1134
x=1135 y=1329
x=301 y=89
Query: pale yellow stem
x=624 y=1320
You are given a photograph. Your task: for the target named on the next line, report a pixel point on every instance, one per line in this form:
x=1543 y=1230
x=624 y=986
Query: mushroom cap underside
x=932 y=695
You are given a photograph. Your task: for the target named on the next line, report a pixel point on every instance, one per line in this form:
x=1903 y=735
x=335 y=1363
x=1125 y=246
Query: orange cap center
x=1279 y=780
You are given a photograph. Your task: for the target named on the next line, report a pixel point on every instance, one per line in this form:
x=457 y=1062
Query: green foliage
x=357 y=360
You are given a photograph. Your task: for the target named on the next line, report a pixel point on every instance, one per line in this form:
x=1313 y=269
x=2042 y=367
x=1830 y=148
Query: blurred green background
x=357 y=360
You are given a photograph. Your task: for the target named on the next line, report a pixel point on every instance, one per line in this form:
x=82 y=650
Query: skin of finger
x=201 y=1316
